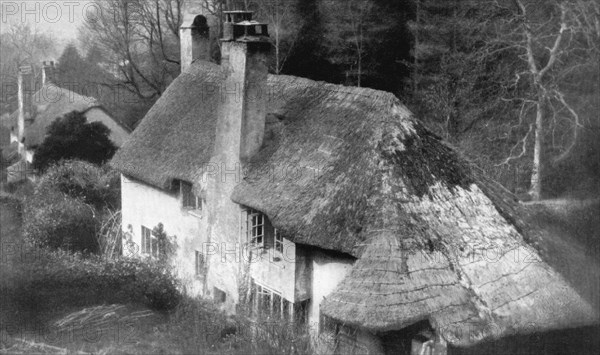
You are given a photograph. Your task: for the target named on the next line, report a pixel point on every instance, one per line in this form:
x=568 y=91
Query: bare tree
x=352 y=28
x=20 y=44
x=140 y=42
x=547 y=35
x=280 y=15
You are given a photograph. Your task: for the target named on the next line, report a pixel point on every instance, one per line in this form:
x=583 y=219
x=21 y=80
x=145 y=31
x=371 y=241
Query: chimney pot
x=195 y=41
x=25 y=84
x=48 y=72
x=244 y=58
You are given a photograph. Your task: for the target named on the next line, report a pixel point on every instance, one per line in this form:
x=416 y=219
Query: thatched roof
x=10 y=154
x=176 y=136
x=50 y=103
x=4 y=136
x=350 y=169
x=453 y=260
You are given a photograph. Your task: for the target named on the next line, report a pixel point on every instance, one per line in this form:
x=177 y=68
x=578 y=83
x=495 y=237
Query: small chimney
x=245 y=47
x=48 y=72
x=195 y=41
x=25 y=83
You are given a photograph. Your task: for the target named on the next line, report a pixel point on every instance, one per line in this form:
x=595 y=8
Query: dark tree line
x=511 y=83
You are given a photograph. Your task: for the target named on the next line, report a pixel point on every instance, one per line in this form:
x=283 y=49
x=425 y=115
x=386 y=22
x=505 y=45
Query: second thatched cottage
x=331 y=205
x=40 y=105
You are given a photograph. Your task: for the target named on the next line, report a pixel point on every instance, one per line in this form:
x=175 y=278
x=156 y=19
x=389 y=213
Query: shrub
x=56 y=220
x=69 y=205
x=57 y=279
x=72 y=137
x=97 y=186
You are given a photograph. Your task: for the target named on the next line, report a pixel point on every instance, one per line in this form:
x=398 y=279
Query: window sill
x=194 y=212
x=274 y=256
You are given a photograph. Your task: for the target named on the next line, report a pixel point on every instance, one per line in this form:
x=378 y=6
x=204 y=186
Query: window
x=149 y=242
x=259 y=231
x=278 y=240
x=267 y=303
x=256 y=228
x=200 y=265
x=219 y=295
x=189 y=199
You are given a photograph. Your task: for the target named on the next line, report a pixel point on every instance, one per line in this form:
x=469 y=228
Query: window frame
x=253 y=228
x=261 y=293
x=199 y=265
x=189 y=200
x=278 y=240
x=150 y=244
x=219 y=295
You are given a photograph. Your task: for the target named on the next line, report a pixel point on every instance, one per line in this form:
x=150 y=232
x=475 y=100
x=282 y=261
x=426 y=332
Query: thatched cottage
x=39 y=106
x=330 y=205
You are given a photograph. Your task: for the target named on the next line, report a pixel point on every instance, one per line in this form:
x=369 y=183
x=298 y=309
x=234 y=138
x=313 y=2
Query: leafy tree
x=71 y=137
x=167 y=245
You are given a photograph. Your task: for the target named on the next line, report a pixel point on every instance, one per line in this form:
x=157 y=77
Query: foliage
x=94 y=185
x=54 y=279
x=167 y=245
x=68 y=204
x=57 y=221
x=110 y=235
x=71 y=137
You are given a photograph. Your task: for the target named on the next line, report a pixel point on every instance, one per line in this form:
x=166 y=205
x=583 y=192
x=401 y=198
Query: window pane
x=286 y=309
x=277 y=306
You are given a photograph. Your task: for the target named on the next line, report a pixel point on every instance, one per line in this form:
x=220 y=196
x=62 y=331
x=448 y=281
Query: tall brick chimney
x=25 y=95
x=194 y=39
x=48 y=72
x=244 y=51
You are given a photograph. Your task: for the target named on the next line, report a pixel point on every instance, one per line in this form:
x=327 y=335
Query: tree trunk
x=277 y=60
x=537 y=170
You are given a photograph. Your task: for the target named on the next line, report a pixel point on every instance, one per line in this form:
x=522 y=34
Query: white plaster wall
x=277 y=270
x=328 y=272
x=148 y=206
x=118 y=135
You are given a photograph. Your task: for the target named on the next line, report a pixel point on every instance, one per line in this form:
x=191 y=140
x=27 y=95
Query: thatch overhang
x=49 y=103
x=175 y=139
x=455 y=261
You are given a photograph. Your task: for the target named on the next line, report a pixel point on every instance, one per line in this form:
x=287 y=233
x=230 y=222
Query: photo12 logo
x=48 y=11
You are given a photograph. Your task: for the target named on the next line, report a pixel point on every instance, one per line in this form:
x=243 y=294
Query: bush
x=97 y=186
x=72 y=137
x=58 y=279
x=69 y=205
x=56 y=221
